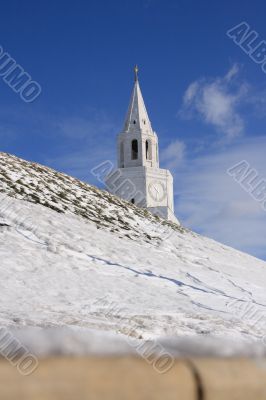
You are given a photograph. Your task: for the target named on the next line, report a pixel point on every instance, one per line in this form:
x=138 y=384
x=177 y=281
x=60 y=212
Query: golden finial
x=136 y=70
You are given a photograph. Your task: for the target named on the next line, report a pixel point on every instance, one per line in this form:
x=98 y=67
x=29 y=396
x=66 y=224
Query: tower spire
x=137 y=117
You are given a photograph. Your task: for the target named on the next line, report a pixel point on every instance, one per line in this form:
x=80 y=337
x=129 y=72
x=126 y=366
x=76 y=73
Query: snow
x=76 y=341
x=67 y=270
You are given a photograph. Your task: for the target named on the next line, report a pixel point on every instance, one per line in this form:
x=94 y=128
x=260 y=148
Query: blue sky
x=205 y=96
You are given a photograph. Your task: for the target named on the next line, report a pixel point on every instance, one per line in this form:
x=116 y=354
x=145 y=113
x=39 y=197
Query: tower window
x=133 y=201
x=148 y=150
x=134 y=149
x=134 y=122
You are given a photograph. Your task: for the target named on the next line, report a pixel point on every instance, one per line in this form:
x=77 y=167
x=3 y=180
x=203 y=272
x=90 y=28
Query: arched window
x=133 y=201
x=134 y=149
x=148 y=150
x=122 y=155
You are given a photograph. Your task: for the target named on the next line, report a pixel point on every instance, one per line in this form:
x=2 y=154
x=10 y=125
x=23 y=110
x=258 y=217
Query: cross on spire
x=136 y=70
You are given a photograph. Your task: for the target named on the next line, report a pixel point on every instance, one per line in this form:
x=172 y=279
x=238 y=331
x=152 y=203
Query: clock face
x=157 y=191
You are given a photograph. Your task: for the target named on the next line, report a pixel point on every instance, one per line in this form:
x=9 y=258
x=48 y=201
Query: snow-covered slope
x=102 y=263
x=64 y=194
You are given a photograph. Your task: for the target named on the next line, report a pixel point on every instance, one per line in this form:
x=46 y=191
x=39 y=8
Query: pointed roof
x=137 y=118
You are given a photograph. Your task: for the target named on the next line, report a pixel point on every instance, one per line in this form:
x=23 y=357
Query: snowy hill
x=80 y=257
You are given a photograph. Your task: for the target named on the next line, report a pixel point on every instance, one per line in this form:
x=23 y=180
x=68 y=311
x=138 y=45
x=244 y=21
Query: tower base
x=164 y=212
x=146 y=187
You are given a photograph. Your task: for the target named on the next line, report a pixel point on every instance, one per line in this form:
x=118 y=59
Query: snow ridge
x=37 y=184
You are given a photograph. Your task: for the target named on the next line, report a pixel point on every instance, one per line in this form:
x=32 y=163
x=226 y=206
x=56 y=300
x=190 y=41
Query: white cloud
x=216 y=102
x=173 y=155
x=233 y=71
x=191 y=92
x=209 y=201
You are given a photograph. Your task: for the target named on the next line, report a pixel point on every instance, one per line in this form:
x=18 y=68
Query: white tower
x=139 y=178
